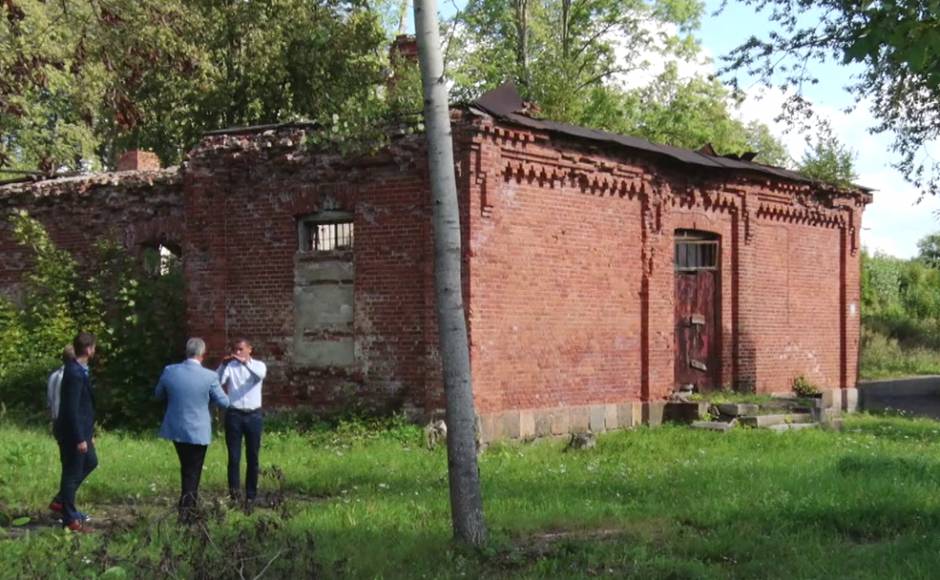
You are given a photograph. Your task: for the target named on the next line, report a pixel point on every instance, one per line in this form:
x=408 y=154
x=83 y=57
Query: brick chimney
x=138 y=160
x=405 y=46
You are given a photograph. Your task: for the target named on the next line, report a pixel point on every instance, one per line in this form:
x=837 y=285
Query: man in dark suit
x=74 y=430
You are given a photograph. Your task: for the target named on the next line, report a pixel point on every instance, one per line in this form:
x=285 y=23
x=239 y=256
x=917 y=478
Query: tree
x=827 y=159
x=928 y=250
x=690 y=113
x=139 y=319
x=894 y=41
x=560 y=51
x=464 y=475
x=576 y=58
x=80 y=81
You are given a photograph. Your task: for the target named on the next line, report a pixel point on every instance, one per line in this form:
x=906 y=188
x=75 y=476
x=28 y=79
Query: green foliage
x=366 y=123
x=137 y=317
x=928 y=251
x=571 y=58
x=900 y=316
x=557 y=51
x=882 y=357
x=727 y=395
x=828 y=160
x=894 y=41
x=803 y=388
x=81 y=81
x=690 y=113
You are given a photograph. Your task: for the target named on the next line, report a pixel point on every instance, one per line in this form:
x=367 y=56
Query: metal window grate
x=696 y=253
x=329 y=237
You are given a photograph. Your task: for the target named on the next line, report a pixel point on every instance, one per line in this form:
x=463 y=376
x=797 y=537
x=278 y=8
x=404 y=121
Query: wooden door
x=696 y=313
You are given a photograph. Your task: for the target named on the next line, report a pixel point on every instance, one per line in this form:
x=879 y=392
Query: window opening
x=326 y=232
x=161 y=259
x=696 y=251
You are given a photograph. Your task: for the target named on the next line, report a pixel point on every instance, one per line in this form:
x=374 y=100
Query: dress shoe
x=78 y=527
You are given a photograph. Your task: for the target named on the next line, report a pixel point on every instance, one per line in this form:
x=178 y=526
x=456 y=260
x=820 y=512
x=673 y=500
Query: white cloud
x=898 y=217
x=895 y=220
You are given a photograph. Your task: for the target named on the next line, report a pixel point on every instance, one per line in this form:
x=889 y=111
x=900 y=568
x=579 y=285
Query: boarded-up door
x=697 y=290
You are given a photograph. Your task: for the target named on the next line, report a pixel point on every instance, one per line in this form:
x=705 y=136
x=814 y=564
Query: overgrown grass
x=372 y=502
x=729 y=396
x=883 y=357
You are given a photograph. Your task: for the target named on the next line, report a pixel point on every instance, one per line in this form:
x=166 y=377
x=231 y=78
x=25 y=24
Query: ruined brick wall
x=244 y=196
x=569 y=273
x=136 y=208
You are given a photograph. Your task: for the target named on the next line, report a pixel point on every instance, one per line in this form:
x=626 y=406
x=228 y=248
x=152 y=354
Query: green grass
x=729 y=396
x=650 y=503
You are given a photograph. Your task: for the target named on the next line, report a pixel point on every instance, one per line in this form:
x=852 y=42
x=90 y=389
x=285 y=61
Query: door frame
x=709 y=258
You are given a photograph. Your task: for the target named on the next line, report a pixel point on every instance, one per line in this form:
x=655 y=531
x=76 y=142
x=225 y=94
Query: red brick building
x=601 y=272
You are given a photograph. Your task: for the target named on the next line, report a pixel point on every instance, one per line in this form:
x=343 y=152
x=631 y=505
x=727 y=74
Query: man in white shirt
x=242 y=378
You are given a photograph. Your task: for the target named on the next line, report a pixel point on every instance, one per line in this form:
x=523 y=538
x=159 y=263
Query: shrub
x=803 y=388
x=137 y=317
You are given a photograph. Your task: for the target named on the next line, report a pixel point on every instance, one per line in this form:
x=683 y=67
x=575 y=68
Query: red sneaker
x=55 y=507
x=78 y=527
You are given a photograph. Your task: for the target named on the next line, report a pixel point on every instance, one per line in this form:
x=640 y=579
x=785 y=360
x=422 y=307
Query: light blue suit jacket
x=188 y=387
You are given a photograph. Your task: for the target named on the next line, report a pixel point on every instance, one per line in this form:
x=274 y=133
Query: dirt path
x=110 y=518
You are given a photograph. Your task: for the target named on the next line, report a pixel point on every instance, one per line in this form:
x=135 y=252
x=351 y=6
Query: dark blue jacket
x=76 y=420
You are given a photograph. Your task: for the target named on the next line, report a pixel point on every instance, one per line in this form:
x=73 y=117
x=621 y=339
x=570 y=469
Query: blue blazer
x=76 y=420
x=188 y=387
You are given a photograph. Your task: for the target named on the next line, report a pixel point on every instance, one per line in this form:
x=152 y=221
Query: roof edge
x=505 y=104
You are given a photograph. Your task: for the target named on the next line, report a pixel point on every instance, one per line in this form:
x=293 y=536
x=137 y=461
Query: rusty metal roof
x=505 y=103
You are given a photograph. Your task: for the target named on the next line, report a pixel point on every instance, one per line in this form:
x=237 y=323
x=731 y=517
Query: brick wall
x=572 y=290
x=568 y=252
x=554 y=292
x=135 y=208
x=245 y=194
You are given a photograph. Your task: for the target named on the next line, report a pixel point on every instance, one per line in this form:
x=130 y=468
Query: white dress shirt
x=242 y=382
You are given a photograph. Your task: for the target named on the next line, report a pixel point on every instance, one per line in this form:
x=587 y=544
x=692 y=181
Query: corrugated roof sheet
x=504 y=103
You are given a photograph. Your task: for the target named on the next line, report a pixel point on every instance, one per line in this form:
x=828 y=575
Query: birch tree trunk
x=466 y=501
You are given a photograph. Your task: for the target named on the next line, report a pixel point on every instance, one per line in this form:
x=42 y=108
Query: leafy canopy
x=578 y=61
x=827 y=159
x=81 y=81
x=895 y=42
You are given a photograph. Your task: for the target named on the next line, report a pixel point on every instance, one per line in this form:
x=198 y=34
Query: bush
x=900 y=316
x=883 y=356
x=137 y=317
x=803 y=388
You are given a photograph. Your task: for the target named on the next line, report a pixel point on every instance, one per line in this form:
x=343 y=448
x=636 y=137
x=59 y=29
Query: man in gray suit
x=188 y=388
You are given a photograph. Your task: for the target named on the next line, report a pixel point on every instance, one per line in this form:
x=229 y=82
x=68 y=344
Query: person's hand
x=83 y=447
x=241 y=358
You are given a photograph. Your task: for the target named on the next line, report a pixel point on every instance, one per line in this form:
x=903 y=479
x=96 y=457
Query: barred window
x=696 y=251
x=326 y=232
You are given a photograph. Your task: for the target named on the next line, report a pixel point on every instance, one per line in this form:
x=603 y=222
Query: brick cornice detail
x=815 y=216
x=797 y=205
x=594 y=181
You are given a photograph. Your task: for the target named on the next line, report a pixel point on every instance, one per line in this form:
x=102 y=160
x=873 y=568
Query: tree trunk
x=466 y=501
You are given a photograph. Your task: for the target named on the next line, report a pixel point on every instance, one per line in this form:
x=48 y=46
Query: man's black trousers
x=191 y=459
